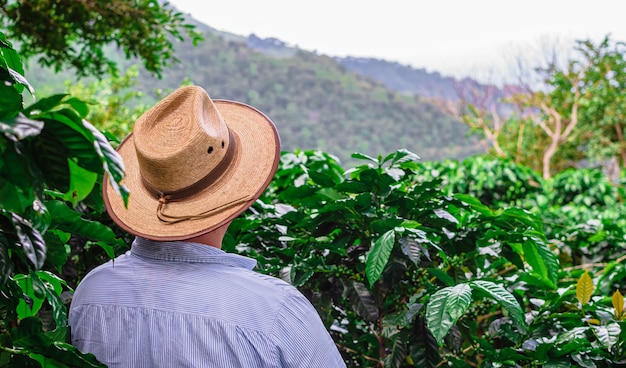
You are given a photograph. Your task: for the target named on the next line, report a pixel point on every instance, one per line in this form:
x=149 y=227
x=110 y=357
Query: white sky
x=477 y=38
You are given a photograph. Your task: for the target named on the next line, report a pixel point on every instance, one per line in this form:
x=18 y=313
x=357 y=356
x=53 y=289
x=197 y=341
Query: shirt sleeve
x=302 y=339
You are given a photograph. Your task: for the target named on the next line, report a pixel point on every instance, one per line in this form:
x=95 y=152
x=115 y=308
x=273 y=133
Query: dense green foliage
x=473 y=263
x=51 y=166
x=480 y=263
x=62 y=33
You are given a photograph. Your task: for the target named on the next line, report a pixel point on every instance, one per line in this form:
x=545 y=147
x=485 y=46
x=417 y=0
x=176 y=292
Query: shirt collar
x=183 y=251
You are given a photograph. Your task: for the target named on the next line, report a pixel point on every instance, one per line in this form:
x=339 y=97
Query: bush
x=52 y=163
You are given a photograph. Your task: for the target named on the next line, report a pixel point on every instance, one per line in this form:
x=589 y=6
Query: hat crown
x=181 y=140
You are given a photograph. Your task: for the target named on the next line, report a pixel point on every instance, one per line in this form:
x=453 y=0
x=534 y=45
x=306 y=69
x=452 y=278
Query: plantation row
x=473 y=263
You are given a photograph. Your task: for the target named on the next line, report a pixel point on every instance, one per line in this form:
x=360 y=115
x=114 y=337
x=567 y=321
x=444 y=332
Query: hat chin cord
x=170 y=219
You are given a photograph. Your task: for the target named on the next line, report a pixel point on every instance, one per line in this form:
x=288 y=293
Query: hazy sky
x=454 y=37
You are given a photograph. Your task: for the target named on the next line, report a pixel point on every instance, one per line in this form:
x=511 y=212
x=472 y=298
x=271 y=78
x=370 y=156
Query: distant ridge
x=403 y=78
x=397 y=77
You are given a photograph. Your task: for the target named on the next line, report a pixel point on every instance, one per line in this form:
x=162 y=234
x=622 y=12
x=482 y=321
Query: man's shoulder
x=263 y=285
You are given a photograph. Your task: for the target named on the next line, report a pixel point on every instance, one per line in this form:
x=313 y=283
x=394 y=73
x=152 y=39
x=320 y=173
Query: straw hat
x=193 y=164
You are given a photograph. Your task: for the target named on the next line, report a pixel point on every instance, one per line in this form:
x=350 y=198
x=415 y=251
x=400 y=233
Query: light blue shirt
x=181 y=304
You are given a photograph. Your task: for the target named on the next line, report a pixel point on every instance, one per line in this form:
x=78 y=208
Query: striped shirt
x=181 y=304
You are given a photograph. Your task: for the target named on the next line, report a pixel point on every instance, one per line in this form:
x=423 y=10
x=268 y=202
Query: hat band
x=210 y=178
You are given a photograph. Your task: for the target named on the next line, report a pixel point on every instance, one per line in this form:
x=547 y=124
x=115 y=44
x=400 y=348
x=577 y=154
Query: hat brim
x=254 y=164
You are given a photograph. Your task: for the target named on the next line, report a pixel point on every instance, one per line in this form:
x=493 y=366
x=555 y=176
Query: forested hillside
x=315 y=101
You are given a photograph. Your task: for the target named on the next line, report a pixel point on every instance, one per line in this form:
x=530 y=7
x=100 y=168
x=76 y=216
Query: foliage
x=407 y=267
x=52 y=164
x=574 y=117
x=72 y=33
x=114 y=103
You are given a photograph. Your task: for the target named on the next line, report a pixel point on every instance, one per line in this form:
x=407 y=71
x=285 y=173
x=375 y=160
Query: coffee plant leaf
x=445 y=307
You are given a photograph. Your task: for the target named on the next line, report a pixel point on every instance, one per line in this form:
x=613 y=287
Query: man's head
x=192 y=165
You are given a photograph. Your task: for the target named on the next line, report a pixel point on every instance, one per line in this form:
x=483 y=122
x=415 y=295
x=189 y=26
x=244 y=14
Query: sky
x=482 y=39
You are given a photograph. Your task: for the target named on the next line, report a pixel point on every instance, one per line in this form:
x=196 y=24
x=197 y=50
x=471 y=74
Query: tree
x=555 y=111
x=477 y=107
x=63 y=33
x=575 y=114
x=604 y=102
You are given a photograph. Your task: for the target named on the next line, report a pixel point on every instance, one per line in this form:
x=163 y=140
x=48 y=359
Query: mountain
x=403 y=78
x=397 y=77
x=317 y=101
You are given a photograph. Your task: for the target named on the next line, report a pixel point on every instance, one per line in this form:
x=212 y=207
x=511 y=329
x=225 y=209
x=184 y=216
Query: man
x=176 y=299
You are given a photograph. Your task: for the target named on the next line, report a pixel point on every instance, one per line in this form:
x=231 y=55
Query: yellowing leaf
x=618 y=304
x=594 y=321
x=584 y=288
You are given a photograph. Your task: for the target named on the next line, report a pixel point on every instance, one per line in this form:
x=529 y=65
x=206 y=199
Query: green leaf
x=542 y=260
x=34 y=291
x=402 y=318
x=424 y=349
x=361 y=299
x=111 y=161
x=45 y=104
x=6 y=265
x=618 y=304
x=30 y=337
x=441 y=276
x=322 y=179
x=61 y=354
x=520 y=216
x=107 y=248
x=20 y=79
x=13 y=197
x=445 y=307
x=30 y=241
x=84 y=141
x=459 y=300
x=56 y=255
x=475 y=204
x=53 y=287
x=19 y=178
x=446 y=215
x=29 y=333
x=506 y=300
x=608 y=335
x=20 y=127
x=362 y=156
x=81 y=183
x=378 y=257
x=10 y=101
x=401 y=156
x=411 y=248
x=71 y=221
x=79 y=105
x=398 y=353
x=11 y=58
